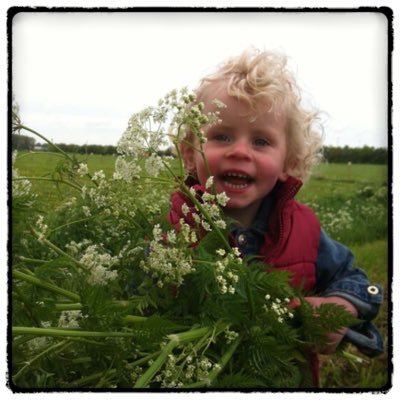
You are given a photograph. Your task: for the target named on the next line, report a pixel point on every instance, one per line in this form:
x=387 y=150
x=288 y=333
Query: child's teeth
x=236 y=175
x=242 y=186
x=236 y=180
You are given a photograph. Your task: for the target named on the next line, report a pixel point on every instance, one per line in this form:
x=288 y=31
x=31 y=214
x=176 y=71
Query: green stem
x=45 y=285
x=37 y=178
x=57 y=249
x=145 y=359
x=68 y=306
x=47 y=141
x=134 y=318
x=58 y=346
x=144 y=379
x=215 y=372
x=175 y=340
x=94 y=377
x=115 y=303
x=71 y=223
x=189 y=336
x=40 y=153
x=31 y=260
x=225 y=359
x=71 y=159
x=56 y=332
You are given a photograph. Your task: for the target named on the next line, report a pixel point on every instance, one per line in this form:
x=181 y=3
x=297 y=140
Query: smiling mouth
x=235 y=180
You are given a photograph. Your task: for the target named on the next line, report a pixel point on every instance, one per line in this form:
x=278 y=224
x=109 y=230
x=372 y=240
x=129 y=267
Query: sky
x=78 y=77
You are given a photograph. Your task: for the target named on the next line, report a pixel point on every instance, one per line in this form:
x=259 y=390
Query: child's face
x=246 y=156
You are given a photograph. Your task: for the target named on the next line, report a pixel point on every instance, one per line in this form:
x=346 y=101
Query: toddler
x=260 y=153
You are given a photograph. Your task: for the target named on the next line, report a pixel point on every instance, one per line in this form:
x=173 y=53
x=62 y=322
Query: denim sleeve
x=337 y=276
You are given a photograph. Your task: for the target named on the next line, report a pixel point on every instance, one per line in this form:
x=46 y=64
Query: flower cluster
x=225 y=277
x=20 y=187
x=83 y=169
x=41 y=228
x=167 y=262
x=278 y=307
x=185 y=368
x=70 y=319
x=230 y=336
x=144 y=133
x=126 y=170
x=206 y=212
x=98 y=265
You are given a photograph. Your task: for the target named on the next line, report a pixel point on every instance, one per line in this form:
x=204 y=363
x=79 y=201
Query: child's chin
x=235 y=204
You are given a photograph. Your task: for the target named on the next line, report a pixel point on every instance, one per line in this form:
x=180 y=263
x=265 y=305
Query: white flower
x=206 y=225
x=83 y=169
x=209 y=182
x=236 y=251
x=185 y=209
x=196 y=218
x=169 y=264
x=126 y=170
x=98 y=175
x=70 y=319
x=171 y=237
x=86 y=211
x=41 y=228
x=154 y=164
x=222 y=199
x=220 y=224
x=98 y=266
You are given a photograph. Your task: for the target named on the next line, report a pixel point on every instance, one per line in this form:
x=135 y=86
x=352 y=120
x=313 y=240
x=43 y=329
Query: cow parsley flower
x=69 y=319
x=154 y=165
x=83 y=169
x=41 y=228
x=99 y=176
x=209 y=182
x=126 y=170
x=168 y=262
x=278 y=307
x=86 y=211
x=99 y=266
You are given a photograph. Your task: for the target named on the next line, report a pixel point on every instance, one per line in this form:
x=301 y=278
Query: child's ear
x=187 y=153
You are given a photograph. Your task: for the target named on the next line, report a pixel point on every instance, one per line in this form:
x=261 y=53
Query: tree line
x=332 y=154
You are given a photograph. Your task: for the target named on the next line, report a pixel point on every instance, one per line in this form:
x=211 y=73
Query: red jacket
x=292 y=240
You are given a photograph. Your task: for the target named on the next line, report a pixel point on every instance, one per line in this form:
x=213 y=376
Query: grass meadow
x=352 y=204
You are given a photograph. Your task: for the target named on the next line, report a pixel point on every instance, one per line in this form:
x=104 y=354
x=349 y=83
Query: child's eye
x=221 y=137
x=260 y=142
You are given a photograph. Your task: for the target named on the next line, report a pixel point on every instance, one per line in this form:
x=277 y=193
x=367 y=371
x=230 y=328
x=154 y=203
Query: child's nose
x=239 y=149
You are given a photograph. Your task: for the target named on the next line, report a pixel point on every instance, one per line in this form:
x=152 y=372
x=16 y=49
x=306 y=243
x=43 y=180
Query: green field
x=350 y=200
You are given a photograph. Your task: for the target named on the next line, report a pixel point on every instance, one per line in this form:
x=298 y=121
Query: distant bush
x=356 y=155
x=22 y=142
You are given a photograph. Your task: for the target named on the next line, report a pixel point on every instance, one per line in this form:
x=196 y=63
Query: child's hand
x=334 y=338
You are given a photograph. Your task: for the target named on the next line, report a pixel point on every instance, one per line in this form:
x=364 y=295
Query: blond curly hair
x=262 y=78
